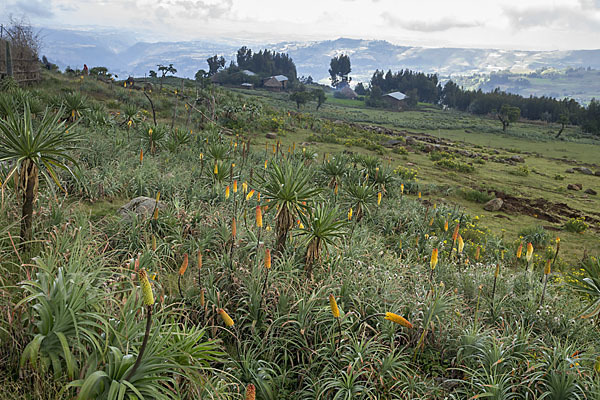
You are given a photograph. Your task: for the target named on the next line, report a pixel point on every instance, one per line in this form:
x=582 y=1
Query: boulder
x=597 y=173
x=141 y=206
x=574 y=186
x=494 y=204
x=271 y=135
x=586 y=171
x=590 y=191
x=518 y=159
x=393 y=143
x=570 y=171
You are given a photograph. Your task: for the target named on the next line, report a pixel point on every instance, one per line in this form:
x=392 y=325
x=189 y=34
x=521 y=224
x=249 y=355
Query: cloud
x=440 y=25
x=564 y=18
x=202 y=8
x=35 y=8
x=590 y=4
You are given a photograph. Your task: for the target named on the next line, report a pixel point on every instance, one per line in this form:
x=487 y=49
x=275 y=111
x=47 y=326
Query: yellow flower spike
x=155 y=216
x=216 y=169
x=431 y=221
x=244 y=187
x=258 y=197
x=158 y=196
x=400 y=244
x=350 y=214
x=446 y=226
x=335 y=189
x=250 y=194
x=184 y=265
x=199 y=261
x=150 y=132
x=461 y=244
x=266 y=161
x=378 y=198
x=226 y=318
x=124 y=84
x=153 y=243
x=520 y=250
x=147 y=295
x=529 y=253
x=235 y=186
x=201 y=156
x=334 y=307
x=268 y=258
x=419 y=194
x=227 y=192
x=402 y=188
x=497 y=271
x=259 y=221
x=434 y=258
x=548 y=267
x=129 y=123
x=397 y=319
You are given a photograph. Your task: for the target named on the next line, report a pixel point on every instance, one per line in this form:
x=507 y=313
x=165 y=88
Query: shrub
x=441 y=155
x=520 y=171
x=475 y=195
x=537 y=235
x=406 y=173
x=576 y=225
x=455 y=165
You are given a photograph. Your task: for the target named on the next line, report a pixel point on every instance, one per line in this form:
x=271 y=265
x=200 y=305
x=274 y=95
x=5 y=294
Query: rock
x=574 y=186
x=586 y=171
x=271 y=135
x=518 y=159
x=141 y=206
x=393 y=143
x=494 y=204
x=590 y=191
x=597 y=173
x=570 y=171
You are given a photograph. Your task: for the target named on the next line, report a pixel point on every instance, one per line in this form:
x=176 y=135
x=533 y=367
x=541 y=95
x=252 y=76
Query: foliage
x=577 y=225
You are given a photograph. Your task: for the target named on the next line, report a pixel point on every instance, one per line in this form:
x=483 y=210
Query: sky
x=506 y=24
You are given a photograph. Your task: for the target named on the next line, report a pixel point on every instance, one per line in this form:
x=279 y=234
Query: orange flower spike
x=250 y=392
x=227 y=192
x=141 y=156
x=520 y=250
x=548 y=267
x=199 y=259
x=184 y=265
x=225 y=317
x=477 y=252
x=446 y=226
x=461 y=244
x=235 y=186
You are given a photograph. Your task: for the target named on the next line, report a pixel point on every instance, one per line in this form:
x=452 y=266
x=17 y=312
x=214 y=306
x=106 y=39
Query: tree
x=563 y=120
x=375 y=98
x=244 y=58
x=164 y=70
x=215 y=63
x=32 y=149
x=508 y=114
x=300 y=98
x=360 y=89
x=319 y=96
x=153 y=74
x=339 y=70
x=99 y=71
x=412 y=97
x=202 y=78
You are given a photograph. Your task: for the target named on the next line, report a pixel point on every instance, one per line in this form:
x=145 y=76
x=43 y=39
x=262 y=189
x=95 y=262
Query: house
x=395 y=100
x=277 y=82
x=247 y=85
x=345 y=92
x=248 y=72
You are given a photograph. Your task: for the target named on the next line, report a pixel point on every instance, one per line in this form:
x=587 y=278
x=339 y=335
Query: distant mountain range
x=122 y=54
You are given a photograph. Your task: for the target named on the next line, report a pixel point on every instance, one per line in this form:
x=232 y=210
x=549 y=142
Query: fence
x=19 y=62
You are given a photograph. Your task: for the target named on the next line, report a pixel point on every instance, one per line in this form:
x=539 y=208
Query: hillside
x=212 y=242
x=127 y=56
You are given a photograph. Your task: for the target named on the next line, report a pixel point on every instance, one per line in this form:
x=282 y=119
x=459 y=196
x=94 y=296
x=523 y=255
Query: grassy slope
x=482 y=135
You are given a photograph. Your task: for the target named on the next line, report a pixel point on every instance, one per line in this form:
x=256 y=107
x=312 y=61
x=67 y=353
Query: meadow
x=315 y=265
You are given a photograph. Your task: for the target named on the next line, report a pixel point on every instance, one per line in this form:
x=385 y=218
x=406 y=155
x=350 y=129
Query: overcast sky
x=511 y=24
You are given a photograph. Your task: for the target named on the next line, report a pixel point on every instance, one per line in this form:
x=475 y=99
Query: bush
x=441 y=155
x=576 y=225
x=406 y=173
x=475 y=195
x=537 y=235
x=455 y=165
x=520 y=171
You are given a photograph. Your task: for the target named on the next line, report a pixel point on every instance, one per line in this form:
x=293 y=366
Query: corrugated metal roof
x=248 y=72
x=397 y=95
x=280 y=78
